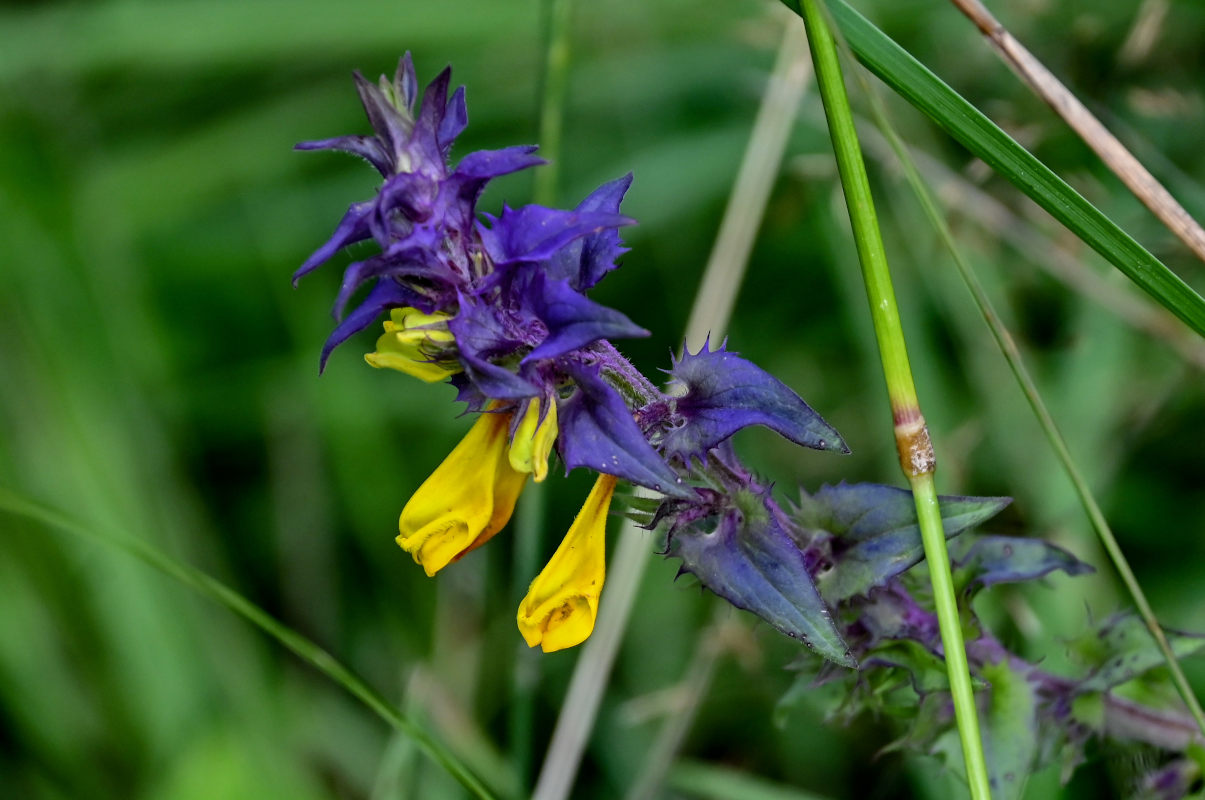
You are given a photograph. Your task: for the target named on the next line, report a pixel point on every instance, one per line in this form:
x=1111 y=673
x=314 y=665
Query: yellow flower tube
x=468 y=498
x=562 y=602
x=532 y=443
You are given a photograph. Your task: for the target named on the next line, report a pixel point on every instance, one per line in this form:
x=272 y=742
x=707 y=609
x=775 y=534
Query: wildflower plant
x=140 y=205
x=499 y=307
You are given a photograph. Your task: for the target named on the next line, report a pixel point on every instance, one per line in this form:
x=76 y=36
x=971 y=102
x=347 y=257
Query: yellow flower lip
x=411 y=344
x=562 y=602
x=468 y=498
x=472 y=494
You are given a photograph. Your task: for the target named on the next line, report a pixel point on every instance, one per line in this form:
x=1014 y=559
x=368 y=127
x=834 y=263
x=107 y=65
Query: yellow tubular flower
x=562 y=602
x=533 y=440
x=409 y=340
x=468 y=498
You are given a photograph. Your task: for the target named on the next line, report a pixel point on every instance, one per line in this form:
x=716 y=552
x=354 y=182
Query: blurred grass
x=158 y=375
x=223 y=595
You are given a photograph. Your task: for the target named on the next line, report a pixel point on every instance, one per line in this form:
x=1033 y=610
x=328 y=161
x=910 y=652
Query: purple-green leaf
x=1124 y=649
x=749 y=560
x=597 y=431
x=868 y=534
x=1010 y=730
x=1009 y=559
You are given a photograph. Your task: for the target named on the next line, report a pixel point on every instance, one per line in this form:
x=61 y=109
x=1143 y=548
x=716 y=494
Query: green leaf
x=901 y=634
x=931 y=719
x=927 y=669
x=971 y=128
x=1125 y=649
x=1010 y=731
x=872 y=532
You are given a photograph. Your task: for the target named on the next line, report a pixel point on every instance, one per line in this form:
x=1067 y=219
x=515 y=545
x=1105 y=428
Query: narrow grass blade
x=1011 y=354
x=219 y=592
x=747 y=203
x=1125 y=166
x=1056 y=259
x=916 y=84
x=714 y=642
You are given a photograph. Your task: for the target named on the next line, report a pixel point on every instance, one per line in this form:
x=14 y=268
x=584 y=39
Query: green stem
x=912 y=438
x=928 y=514
x=1011 y=354
x=552 y=98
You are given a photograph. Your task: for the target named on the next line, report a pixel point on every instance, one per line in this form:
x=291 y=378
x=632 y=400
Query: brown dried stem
x=1123 y=163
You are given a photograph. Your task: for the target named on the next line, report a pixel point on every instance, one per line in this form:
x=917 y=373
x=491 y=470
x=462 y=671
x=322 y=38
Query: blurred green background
x=158 y=376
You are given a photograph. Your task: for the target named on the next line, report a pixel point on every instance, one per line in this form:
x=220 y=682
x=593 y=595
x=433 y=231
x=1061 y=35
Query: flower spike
x=498 y=307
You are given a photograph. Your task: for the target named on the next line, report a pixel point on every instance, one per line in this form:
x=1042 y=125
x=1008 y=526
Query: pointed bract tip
x=405 y=80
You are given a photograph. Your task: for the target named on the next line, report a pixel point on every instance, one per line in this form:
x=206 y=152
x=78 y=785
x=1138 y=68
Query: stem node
x=915 y=447
x=912 y=437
